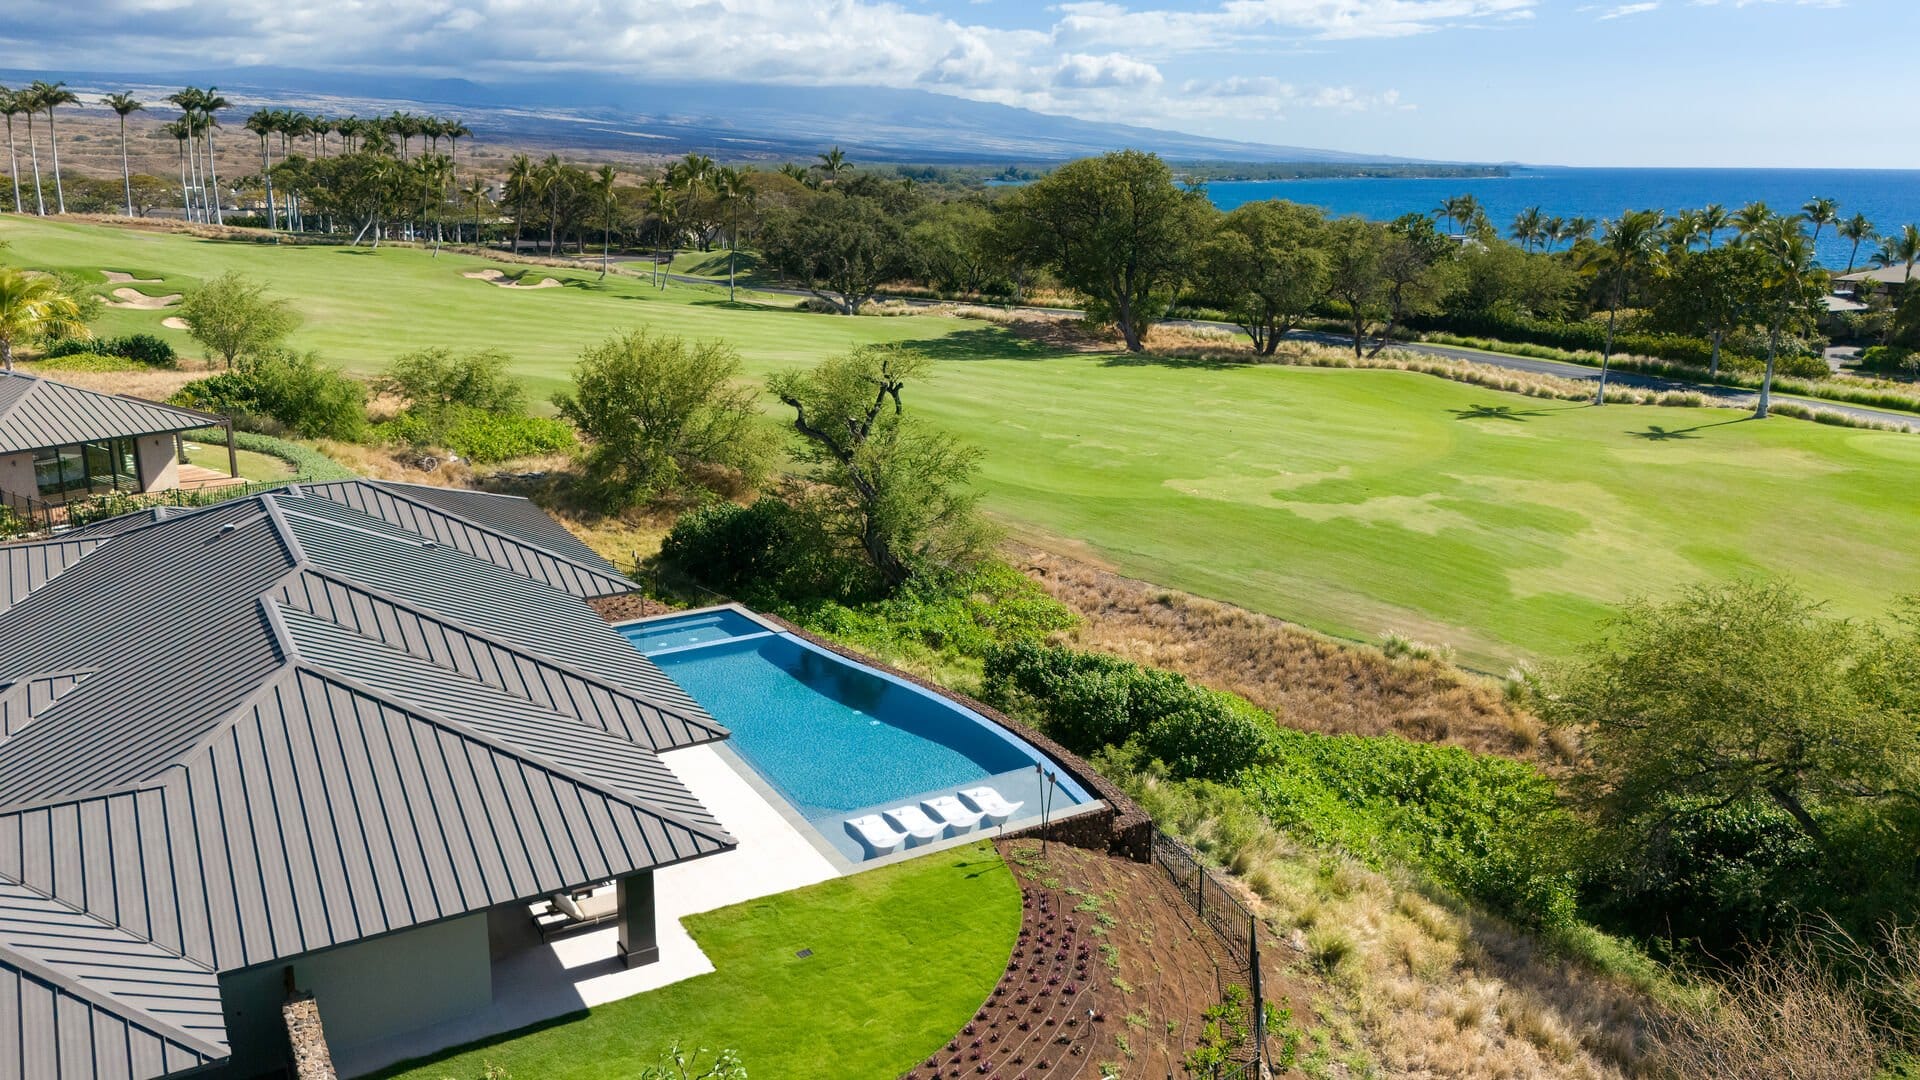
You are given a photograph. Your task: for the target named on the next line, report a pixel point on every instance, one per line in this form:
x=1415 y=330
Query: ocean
x=1889 y=198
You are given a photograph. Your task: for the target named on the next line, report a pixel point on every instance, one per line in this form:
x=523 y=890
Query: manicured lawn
x=1353 y=501
x=902 y=956
x=253 y=464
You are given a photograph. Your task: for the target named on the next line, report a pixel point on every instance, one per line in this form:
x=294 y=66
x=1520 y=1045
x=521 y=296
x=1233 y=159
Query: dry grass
x=1783 y=1016
x=1309 y=681
x=1410 y=982
x=154 y=384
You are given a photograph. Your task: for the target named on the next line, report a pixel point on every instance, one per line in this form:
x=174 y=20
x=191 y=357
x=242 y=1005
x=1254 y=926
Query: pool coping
x=1130 y=832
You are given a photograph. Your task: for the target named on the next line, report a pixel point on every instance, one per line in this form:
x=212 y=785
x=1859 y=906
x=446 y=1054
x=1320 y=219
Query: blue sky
x=1803 y=83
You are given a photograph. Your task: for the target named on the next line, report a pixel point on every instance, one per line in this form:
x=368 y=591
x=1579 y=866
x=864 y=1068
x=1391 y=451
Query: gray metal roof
x=498 y=528
x=279 y=724
x=37 y=412
x=26 y=567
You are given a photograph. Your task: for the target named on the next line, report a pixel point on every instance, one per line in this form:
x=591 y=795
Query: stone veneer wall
x=307 y=1040
x=627 y=606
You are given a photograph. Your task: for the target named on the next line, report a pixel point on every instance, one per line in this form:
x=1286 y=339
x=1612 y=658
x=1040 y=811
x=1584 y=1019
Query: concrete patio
x=535 y=981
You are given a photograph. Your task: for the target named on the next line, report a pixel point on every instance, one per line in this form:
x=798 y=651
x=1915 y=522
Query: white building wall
x=159 y=462
x=16 y=474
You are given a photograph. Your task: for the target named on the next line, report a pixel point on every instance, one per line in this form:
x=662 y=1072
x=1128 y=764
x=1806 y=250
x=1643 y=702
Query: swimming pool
x=835 y=738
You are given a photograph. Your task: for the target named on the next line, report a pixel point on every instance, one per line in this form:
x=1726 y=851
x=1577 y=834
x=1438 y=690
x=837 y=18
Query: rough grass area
x=1354 y=502
x=902 y=956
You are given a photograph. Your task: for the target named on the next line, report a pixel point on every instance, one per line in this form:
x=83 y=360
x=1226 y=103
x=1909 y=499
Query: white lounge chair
x=953 y=812
x=879 y=837
x=992 y=806
x=915 y=823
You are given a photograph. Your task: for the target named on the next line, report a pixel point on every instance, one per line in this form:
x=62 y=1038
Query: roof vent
x=229 y=527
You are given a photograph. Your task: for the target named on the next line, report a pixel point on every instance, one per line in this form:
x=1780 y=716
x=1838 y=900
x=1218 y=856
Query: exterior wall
x=365 y=991
x=16 y=474
x=159 y=463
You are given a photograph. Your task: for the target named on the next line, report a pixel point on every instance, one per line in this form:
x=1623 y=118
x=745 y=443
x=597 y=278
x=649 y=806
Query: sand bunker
x=174 y=322
x=134 y=298
x=495 y=277
x=115 y=277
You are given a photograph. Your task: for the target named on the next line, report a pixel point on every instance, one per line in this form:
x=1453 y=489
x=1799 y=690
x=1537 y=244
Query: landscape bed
x=837 y=740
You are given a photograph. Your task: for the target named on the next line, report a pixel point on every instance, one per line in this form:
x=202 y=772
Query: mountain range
x=728 y=120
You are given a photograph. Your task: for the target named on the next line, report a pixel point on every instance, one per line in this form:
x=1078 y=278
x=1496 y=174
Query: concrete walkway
x=534 y=981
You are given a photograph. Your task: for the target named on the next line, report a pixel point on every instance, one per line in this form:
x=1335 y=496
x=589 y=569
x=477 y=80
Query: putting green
x=1353 y=501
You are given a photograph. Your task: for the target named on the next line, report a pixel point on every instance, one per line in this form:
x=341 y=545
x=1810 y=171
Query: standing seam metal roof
x=37 y=413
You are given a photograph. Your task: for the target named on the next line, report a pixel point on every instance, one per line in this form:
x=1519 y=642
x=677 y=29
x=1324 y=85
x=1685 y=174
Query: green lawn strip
x=902 y=956
x=254 y=465
x=1351 y=501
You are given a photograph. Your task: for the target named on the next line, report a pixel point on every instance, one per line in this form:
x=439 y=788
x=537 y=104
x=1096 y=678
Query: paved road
x=1727 y=396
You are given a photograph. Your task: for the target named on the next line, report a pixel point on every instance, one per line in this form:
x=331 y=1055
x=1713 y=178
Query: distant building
x=1872 y=280
x=60 y=443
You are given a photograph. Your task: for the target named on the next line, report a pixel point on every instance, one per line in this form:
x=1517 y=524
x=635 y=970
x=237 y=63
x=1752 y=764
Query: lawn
x=1352 y=501
x=901 y=958
x=262 y=468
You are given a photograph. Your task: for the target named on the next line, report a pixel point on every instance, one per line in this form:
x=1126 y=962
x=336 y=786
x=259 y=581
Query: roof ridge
x=539 y=658
x=103 y=921
x=482 y=527
x=432 y=716
x=12 y=956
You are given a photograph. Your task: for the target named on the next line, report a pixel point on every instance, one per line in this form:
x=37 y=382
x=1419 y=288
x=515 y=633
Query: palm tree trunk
x=1606 y=355
x=213 y=178
x=126 y=171
x=33 y=150
x=193 y=173
x=1766 y=383
x=6 y=353
x=59 y=189
x=13 y=167
x=1713 y=368
x=730 y=254
x=266 y=173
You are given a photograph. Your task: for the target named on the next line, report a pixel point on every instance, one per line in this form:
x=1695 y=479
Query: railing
x=1238 y=931
x=22 y=515
x=101 y=507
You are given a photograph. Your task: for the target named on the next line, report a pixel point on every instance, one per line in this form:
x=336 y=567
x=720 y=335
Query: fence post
x=1200 y=890
x=1259 y=1000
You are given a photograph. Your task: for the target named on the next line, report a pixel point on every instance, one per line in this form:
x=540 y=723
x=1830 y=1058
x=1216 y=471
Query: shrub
x=434 y=381
x=1891 y=360
x=284 y=390
x=936 y=618
x=308 y=463
x=481 y=437
x=767 y=553
x=81 y=360
x=142 y=349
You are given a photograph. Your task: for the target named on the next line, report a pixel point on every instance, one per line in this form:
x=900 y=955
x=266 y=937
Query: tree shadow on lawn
x=1180 y=363
x=1498 y=412
x=1656 y=433
x=982 y=343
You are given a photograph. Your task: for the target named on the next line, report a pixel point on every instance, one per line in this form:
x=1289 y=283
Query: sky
x=1763 y=83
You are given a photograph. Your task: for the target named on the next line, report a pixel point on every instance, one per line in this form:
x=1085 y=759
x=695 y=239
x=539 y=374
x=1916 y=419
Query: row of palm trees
x=31 y=101
x=1532 y=227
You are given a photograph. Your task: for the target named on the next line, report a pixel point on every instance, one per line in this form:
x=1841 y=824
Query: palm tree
x=1749 y=219
x=1682 y=230
x=1820 y=213
x=30 y=104
x=1470 y=212
x=1713 y=218
x=1626 y=248
x=1529 y=227
x=1553 y=230
x=551 y=177
x=33 y=305
x=211 y=104
x=1790 y=276
x=435 y=173
x=1857 y=229
x=609 y=204
x=265 y=123
x=475 y=195
x=797 y=172
x=11 y=106
x=49 y=96
x=1901 y=249
x=187 y=100
x=124 y=104
x=661 y=203
x=454 y=130
x=521 y=188
x=178 y=131
x=834 y=163
x=1579 y=228
x=733 y=193
x=1449 y=209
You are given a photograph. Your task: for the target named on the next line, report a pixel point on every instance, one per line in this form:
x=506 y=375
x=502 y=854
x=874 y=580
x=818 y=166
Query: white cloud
x=1625 y=10
x=1095 y=58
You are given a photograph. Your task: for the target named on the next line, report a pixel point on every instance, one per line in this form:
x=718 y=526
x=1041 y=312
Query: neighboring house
x=310 y=740
x=59 y=443
x=1875 y=280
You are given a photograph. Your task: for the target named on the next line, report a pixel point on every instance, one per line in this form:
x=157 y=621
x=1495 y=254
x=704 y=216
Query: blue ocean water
x=1889 y=198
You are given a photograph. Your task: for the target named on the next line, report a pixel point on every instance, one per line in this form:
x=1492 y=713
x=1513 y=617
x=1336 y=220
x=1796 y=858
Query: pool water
x=835 y=738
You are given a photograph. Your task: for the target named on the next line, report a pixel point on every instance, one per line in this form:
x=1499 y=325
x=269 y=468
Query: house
x=311 y=741
x=59 y=443
x=1878 y=279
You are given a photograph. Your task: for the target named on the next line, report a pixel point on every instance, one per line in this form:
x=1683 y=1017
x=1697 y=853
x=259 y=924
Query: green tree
x=1119 y=230
x=123 y=106
x=1794 y=286
x=1352 y=250
x=889 y=484
x=438 y=381
x=1529 y=228
x=1742 y=695
x=952 y=245
x=838 y=245
x=12 y=104
x=662 y=417
x=1820 y=213
x=1622 y=257
x=233 y=317
x=49 y=96
x=608 y=204
x=1856 y=229
x=1414 y=267
x=1711 y=293
x=35 y=306
x=833 y=164
x=1265 y=264
x=1713 y=218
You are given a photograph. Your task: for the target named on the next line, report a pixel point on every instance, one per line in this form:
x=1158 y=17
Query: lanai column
x=639 y=940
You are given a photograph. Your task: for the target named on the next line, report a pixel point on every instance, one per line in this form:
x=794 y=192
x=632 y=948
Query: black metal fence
x=25 y=516
x=1235 y=927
